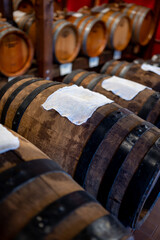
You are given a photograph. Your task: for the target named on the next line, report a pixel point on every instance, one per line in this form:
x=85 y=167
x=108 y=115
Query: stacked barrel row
x=66 y=42
x=68 y=39
x=38 y=200
x=134 y=72
x=155 y=60
x=141 y=19
x=88 y=32
x=115 y=16
x=145 y=104
x=114 y=155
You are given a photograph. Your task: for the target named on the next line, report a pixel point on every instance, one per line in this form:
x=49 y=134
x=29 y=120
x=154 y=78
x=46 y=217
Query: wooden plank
x=6 y=9
x=44 y=22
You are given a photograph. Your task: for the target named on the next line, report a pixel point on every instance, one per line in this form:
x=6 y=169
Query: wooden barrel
x=16 y=50
x=54 y=206
x=146 y=104
x=114 y=155
x=142 y=21
x=66 y=41
x=26 y=6
x=93 y=34
x=118 y=26
x=26 y=22
x=150 y=62
x=132 y=71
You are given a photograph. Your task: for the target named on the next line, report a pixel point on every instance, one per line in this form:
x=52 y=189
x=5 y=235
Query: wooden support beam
x=44 y=22
x=6 y=9
x=63 y=4
x=95 y=3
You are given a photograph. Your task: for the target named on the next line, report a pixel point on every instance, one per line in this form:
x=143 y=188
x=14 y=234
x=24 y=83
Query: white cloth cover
x=7 y=140
x=123 y=88
x=75 y=103
x=148 y=67
x=17 y=15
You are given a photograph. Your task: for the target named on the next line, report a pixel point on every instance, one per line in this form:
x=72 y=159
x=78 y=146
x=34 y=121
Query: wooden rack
x=44 y=19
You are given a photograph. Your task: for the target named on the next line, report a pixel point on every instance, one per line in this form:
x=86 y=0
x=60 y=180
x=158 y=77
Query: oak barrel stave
x=146 y=104
x=133 y=71
x=68 y=143
x=54 y=206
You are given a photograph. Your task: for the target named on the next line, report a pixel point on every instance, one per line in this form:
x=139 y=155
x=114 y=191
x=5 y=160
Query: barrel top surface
x=122 y=34
x=90 y=45
x=16 y=52
x=65 y=34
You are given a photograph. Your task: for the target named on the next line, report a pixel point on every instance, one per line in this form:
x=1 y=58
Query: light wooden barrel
x=93 y=34
x=118 y=26
x=142 y=21
x=26 y=22
x=16 y=50
x=132 y=71
x=54 y=206
x=26 y=6
x=66 y=41
x=146 y=104
x=114 y=155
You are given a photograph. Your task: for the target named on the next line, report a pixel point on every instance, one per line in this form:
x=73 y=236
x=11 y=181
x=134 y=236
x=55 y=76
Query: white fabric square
x=148 y=67
x=7 y=140
x=123 y=88
x=75 y=103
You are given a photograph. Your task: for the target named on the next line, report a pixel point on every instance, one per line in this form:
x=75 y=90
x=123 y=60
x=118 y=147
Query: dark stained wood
x=136 y=74
x=83 y=63
x=39 y=192
x=44 y=20
x=3 y=81
x=65 y=142
x=135 y=105
x=150 y=230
